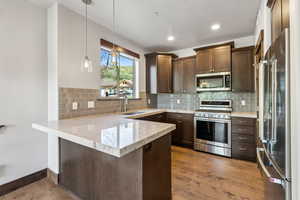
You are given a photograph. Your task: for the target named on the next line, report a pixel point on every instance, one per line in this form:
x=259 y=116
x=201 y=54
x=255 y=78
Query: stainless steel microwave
x=213 y=82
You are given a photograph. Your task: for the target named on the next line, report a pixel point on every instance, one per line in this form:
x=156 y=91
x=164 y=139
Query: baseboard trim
x=21 y=182
x=53 y=177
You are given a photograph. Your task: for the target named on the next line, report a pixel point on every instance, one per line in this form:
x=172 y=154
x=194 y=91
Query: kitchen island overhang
x=113 y=157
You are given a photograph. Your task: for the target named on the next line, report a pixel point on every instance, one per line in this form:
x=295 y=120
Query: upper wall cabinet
x=184 y=75
x=280 y=16
x=159 y=73
x=214 y=59
x=243 y=69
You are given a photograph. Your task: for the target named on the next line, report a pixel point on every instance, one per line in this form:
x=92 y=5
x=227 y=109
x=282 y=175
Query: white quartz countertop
x=244 y=114
x=114 y=134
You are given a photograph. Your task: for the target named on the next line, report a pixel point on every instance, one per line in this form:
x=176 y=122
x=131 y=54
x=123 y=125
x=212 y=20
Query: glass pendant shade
x=86 y=65
x=114 y=58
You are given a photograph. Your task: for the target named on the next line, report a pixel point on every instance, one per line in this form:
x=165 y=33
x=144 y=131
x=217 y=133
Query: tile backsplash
x=82 y=96
x=192 y=101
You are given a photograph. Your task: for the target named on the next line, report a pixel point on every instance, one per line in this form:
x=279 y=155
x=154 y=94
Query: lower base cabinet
x=144 y=174
x=244 y=139
x=184 y=133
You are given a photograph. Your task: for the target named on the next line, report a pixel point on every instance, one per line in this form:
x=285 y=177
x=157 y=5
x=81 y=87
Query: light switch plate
x=178 y=101
x=74 y=106
x=149 y=101
x=91 y=104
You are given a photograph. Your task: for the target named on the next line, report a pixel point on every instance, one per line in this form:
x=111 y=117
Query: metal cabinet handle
x=243 y=138
x=274 y=103
x=243 y=149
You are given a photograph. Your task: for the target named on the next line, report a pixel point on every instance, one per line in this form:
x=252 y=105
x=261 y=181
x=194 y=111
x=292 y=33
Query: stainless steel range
x=213 y=127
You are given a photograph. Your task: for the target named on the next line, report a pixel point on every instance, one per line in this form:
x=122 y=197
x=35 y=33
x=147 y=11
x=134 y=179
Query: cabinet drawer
x=244 y=151
x=243 y=130
x=239 y=138
x=180 y=116
x=243 y=121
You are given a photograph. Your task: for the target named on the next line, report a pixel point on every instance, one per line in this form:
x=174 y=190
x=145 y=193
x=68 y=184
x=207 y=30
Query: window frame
x=136 y=62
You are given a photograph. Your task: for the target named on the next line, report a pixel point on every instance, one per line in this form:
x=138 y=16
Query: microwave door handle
x=265 y=170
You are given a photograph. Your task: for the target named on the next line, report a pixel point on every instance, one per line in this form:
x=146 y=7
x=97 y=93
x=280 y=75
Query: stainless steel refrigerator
x=274 y=155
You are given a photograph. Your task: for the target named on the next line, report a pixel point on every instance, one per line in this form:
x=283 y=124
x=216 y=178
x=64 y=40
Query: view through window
x=109 y=75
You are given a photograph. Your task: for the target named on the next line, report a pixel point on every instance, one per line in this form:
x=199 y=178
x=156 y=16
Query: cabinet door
x=164 y=73
x=178 y=76
x=243 y=70
x=221 y=59
x=175 y=118
x=188 y=130
x=189 y=75
x=276 y=20
x=203 y=61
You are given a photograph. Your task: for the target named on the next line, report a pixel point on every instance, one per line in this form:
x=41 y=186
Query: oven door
x=213 y=131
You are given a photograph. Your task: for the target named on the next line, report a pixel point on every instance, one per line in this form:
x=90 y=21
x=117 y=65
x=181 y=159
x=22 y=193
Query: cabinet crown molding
x=215 y=46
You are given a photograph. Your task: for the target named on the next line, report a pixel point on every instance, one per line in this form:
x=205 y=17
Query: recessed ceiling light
x=215 y=27
x=171 y=38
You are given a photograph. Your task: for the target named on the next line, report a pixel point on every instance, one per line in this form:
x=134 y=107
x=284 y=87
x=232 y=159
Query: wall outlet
x=91 y=104
x=243 y=103
x=149 y=101
x=178 y=101
x=74 y=106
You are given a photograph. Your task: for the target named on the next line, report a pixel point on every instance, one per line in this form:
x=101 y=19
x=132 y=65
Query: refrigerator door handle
x=274 y=103
x=265 y=170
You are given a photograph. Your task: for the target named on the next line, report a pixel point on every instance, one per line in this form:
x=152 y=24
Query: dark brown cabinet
x=94 y=175
x=243 y=70
x=244 y=138
x=161 y=117
x=184 y=133
x=184 y=75
x=159 y=73
x=214 y=59
x=221 y=59
x=203 y=61
x=280 y=16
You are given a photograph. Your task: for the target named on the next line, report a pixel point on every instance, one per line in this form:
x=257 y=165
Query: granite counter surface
x=114 y=134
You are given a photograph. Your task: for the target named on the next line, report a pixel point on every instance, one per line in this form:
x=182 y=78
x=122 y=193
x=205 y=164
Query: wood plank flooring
x=195 y=176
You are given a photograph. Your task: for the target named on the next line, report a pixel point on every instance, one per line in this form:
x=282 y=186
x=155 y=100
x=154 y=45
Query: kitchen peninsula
x=114 y=156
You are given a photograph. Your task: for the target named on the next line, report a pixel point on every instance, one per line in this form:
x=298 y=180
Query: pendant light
x=114 y=60
x=86 y=63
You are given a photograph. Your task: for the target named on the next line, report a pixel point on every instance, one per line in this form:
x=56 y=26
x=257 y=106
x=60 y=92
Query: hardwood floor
x=196 y=176
x=201 y=176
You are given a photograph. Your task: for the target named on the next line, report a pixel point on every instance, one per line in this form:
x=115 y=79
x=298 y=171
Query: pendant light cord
x=86 y=28
x=114 y=24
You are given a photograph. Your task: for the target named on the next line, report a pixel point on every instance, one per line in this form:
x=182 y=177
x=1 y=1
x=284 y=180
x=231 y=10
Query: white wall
x=53 y=56
x=23 y=86
x=263 y=22
x=65 y=52
x=71 y=51
x=239 y=42
x=295 y=94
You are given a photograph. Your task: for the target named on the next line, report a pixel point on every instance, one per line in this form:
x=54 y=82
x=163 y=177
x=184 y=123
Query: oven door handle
x=213 y=120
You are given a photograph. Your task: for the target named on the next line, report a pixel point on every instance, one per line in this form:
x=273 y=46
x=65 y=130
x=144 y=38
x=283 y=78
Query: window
x=128 y=75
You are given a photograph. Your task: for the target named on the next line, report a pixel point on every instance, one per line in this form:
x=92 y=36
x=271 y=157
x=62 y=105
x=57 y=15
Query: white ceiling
x=188 y=20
